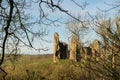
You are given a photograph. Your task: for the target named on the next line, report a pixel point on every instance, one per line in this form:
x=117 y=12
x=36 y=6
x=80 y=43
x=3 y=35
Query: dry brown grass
x=41 y=67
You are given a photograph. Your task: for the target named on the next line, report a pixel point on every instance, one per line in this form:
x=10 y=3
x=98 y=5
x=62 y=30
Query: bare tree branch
x=6 y=30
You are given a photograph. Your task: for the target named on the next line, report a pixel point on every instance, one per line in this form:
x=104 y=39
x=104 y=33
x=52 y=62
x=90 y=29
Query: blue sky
x=92 y=7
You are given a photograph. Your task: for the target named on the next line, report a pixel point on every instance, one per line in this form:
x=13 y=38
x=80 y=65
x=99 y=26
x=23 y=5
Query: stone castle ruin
x=77 y=52
x=74 y=49
x=92 y=51
x=60 y=49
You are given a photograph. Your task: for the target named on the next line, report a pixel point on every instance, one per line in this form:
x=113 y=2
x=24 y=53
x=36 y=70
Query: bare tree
x=108 y=65
x=19 y=23
x=77 y=28
x=108 y=29
x=16 y=26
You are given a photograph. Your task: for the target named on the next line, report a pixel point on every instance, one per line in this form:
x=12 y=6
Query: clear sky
x=92 y=8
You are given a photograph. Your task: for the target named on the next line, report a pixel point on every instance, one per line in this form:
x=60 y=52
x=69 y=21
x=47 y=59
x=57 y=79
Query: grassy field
x=41 y=67
x=32 y=67
x=26 y=67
